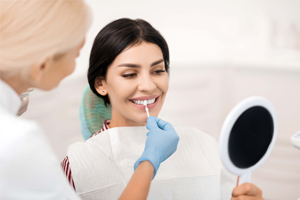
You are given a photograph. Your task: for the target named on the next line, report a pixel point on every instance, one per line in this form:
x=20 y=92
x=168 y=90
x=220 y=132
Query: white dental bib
x=103 y=165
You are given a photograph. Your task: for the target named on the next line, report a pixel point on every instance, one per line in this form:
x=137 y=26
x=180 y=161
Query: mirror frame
x=228 y=124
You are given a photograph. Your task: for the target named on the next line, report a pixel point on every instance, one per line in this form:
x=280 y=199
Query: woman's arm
x=139 y=184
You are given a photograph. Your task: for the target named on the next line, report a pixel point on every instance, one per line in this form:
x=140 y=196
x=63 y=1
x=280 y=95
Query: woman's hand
x=161 y=142
x=246 y=191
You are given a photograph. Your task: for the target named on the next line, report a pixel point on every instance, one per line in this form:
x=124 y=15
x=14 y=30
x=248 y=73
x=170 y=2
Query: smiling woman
x=129 y=64
x=136 y=74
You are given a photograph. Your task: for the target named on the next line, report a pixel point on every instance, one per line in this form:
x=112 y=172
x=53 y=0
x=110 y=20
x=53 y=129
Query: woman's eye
x=158 y=72
x=129 y=75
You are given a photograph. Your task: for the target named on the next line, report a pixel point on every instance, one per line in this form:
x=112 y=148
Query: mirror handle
x=244 y=178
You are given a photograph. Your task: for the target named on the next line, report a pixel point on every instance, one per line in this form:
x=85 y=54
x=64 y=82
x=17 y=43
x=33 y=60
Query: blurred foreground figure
x=39 y=43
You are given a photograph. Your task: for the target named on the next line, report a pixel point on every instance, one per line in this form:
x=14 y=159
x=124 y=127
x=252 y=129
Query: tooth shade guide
x=146 y=108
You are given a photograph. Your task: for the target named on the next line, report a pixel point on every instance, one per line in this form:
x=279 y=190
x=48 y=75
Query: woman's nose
x=146 y=84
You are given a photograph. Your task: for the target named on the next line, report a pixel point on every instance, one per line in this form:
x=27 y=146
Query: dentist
x=40 y=41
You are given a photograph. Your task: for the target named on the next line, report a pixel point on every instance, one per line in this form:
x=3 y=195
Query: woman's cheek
x=165 y=85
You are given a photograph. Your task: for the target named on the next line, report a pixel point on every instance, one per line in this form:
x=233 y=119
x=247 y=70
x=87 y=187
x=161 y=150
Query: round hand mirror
x=248 y=136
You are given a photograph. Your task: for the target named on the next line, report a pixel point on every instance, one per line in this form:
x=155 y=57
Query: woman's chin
x=137 y=121
x=143 y=122
x=140 y=119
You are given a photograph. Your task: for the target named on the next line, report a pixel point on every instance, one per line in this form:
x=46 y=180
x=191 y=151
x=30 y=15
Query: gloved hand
x=161 y=142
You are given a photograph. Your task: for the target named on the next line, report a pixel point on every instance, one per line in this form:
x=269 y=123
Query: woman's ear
x=100 y=86
x=39 y=69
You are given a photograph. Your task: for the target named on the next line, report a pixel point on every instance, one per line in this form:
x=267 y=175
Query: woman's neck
x=17 y=85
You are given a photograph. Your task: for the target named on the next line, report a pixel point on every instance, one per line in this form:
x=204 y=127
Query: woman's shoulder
x=197 y=155
x=15 y=129
x=97 y=144
x=91 y=159
x=26 y=147
x=198 y=142
x=20 y=137
x=101 y=140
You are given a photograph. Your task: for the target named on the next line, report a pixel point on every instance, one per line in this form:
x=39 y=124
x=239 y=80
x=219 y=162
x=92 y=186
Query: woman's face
x=137 y=74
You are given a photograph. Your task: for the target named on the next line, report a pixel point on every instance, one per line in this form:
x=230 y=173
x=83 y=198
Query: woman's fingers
x=154 y=122
x=247 y=189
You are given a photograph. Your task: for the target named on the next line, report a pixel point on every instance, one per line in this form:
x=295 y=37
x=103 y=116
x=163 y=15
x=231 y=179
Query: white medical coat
x=103 y=165
x=28 y=167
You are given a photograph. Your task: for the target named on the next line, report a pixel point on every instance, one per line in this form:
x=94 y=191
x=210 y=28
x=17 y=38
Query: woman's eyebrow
x=138 y=66
x=157 y=62
x=129 y=65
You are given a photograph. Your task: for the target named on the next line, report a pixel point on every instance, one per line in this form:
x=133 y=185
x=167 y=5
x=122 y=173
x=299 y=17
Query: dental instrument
x=146 y=108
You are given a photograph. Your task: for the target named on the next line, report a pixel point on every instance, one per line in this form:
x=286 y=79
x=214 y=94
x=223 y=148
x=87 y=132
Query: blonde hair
x=33 y=30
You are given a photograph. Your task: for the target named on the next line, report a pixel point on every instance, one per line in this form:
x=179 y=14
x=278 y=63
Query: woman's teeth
x=142 y=101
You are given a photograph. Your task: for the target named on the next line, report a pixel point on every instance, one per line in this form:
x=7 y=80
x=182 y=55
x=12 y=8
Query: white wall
x=251 y=33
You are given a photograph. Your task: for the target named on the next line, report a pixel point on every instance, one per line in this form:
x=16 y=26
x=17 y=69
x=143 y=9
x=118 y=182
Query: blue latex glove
x=161 y=142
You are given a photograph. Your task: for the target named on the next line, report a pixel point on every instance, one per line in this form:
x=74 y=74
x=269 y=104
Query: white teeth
x=142 y=101
x=150 y=101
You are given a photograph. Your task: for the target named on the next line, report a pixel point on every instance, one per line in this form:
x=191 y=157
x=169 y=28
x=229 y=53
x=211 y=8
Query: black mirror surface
x=250 y=137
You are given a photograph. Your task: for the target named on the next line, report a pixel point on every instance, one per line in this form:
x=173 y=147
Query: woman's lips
x=150 y=106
